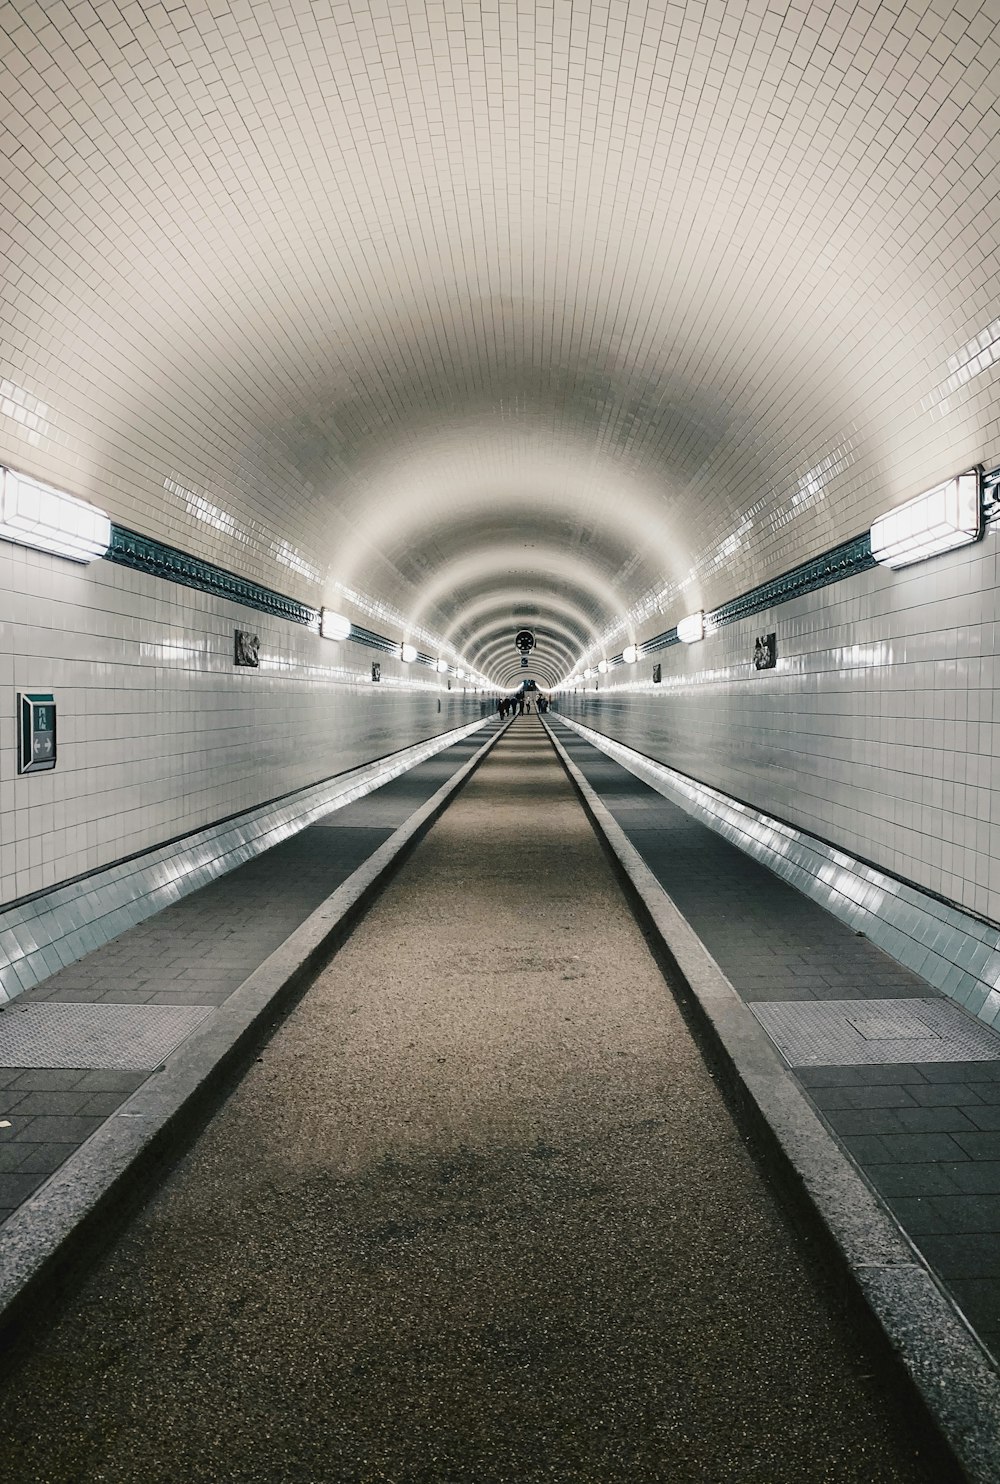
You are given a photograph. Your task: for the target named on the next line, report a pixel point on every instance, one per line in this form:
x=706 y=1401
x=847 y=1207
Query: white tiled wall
x=878 y=730
x=678 y=292
x=956 y=953
x=158 y=733
x=40 y=935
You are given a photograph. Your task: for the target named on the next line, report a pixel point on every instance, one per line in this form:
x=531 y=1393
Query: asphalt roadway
x=478 y=1215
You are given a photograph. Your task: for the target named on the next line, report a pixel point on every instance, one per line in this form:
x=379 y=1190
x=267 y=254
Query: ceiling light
x=630 y=654
x=692 y=628
x=407 y=654
x=45 y=519
x=942 y=519
x=334 y=625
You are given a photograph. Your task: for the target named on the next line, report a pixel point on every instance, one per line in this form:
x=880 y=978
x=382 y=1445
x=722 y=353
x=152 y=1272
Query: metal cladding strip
x=953 y=1375
x=72 y=1207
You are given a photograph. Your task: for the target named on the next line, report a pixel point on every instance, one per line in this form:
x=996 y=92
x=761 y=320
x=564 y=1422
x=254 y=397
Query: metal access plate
x=845 y=1033
x=113 y=1038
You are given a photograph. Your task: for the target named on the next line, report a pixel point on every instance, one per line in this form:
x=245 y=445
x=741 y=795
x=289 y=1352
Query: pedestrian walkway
x=907 y=1081
x=76 y=1046
x=477 y=1214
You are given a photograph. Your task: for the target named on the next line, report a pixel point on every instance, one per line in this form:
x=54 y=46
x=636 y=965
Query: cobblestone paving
x=196 y=952
x=927 y=1135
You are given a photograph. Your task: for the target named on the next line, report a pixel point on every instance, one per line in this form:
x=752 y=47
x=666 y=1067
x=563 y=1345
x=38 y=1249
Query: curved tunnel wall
x=876 y=730
x=317 y=323
x=159 y=734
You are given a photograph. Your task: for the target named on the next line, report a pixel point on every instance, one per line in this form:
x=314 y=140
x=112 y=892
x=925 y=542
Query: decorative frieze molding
x=845 y=560
x=144 y=554
x=372 y=640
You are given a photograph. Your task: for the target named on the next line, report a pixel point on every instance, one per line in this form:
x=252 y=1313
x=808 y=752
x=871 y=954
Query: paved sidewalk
x=89 y=1036
x=925 y=1130
x=478 y=1214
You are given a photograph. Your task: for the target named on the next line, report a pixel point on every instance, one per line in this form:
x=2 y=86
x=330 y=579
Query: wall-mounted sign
x=376 y=670
x=246 y=648
x=657 y=674
x=36 y=733
x=765 y=652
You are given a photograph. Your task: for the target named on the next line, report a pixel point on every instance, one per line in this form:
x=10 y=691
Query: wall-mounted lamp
x=334 y=625
x=459 y=674
x=588 y=674
x=442 y=667
x=602 y=667
x=949 y=516
x=630 y=654
x=407 y=653
x=46 y=519
x=692 y=628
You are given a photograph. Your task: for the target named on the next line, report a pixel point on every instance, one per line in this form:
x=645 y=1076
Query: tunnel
x=499 y=854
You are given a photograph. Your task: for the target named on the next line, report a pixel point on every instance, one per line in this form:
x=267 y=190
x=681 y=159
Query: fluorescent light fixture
x=334 y=625
x=630 y=654
x=442 y=667
x=692 y=628
x=46 y=519
x=407 y=653
x=602 y=667
x=940 y=520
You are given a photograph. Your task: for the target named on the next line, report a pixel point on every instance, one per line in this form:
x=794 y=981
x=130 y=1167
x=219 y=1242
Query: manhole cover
x=114 y=1038
x=844 y=1033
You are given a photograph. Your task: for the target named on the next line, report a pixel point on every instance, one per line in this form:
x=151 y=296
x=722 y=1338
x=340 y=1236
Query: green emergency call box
x=36 y=733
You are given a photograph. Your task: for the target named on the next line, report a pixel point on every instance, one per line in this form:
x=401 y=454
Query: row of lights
x=336 y=626
x=689 y=631
x=36 y=515
x=941 y=519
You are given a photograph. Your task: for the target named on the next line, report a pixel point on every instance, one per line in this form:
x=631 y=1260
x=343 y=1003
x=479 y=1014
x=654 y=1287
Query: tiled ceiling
x=605 y=310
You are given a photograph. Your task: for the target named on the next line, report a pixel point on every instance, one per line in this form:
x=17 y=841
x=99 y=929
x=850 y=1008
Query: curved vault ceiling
x=569 y=310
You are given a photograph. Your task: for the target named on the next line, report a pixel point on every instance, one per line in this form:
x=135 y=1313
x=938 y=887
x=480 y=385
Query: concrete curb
x=43 y=1240
x=942 y=1360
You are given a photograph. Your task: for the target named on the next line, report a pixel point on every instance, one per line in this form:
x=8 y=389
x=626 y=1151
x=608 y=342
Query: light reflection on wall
x=250 y=534
x=976 y=356
x=809 y=488
x=27 y=411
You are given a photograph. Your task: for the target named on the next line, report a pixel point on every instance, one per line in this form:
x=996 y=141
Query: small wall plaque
x=765 y=652
x=36 y=733
x=657 y=674
x=376 y=670
x=246 y=648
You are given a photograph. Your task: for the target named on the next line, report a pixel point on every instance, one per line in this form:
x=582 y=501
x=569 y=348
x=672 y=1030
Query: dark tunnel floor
x=479 y=1213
